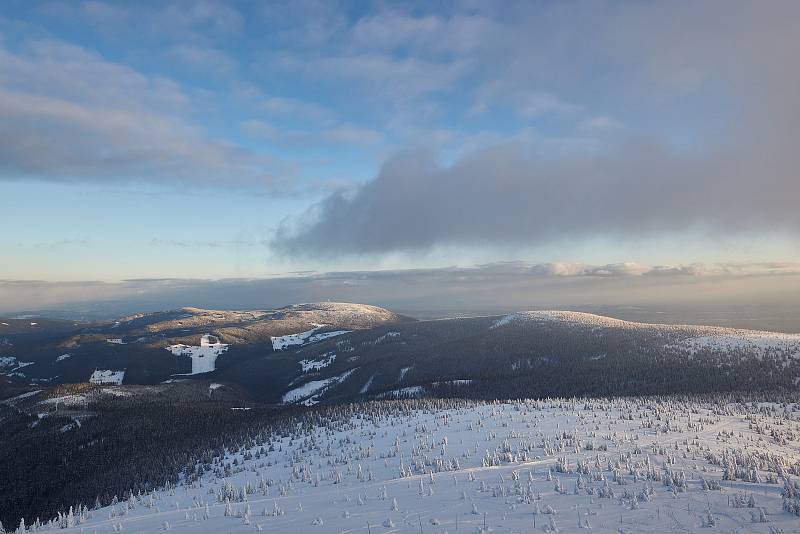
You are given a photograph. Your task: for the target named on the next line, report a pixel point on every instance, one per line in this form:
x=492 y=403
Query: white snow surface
x=310 y=391
x=365 y=387
x=403 y=372
x=23 y=396
x=688 y=339
x=204 y=357
x=107 y=377
x=303 y=338
x=10 y=364
x=577 y=318
x=63 y=357
x=606 y=466
x=315 y=365
x=750 y=341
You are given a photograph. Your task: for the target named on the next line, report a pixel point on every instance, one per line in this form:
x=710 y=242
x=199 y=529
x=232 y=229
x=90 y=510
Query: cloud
x=510 y=194
x=67 y=114
x=344 y=133
x=736 y=174
x=521 y=100
x=489 y=288
x=203 y=59
x=203 y=19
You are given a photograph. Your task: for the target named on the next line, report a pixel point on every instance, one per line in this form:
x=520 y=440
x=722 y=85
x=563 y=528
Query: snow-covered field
x=529 y=466
x=303 y=338
x=204 y=357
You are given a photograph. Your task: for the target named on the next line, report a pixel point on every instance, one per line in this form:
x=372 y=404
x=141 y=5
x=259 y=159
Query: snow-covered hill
x=690 y=339
x=624 y=465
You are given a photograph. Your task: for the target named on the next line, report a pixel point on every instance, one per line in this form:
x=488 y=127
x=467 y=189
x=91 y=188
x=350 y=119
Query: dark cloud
x=726 y=163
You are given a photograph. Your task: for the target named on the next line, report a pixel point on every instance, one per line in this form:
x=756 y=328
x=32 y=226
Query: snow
x=214 y=386
x=66 y=400
x=752 y=341
x=115 y=341
x=304 y=338
x=204 y=357
x=382 y=338
x=577 y=318
x=365 y=387
x=107 y=377
x=403 y=372
x=23 y=396
x=563 y=465
x=209 y=340
x=63 y=357
x=686 y=339
x=325 y=335
x=310 y=391
x=117 y=392
x=460 y=382
x=315 y=365
x=402 y=393
x=9 y=365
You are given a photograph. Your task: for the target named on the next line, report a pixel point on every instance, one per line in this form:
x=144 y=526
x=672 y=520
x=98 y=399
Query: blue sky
x=249 y=139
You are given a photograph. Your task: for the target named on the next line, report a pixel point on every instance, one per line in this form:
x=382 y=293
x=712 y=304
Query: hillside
x=540 y=353
x=670 y=464
x=196 y=404
x=153 y=347
x=335 y=352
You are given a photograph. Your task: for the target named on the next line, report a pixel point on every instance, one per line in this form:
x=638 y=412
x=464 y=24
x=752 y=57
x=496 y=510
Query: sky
x=323 y=142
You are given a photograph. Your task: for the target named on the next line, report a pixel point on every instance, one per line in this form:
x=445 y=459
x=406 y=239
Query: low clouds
x=483 y=289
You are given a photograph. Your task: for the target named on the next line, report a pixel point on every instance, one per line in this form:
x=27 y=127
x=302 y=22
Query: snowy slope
x=308 y=394
x=304 y=338
x=204 y=357
x=529 y=466
x=690 y=338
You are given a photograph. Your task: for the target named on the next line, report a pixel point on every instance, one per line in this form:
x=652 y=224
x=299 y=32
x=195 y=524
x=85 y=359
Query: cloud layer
x=69 y=115
x=734 y=172
x=483 y=289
